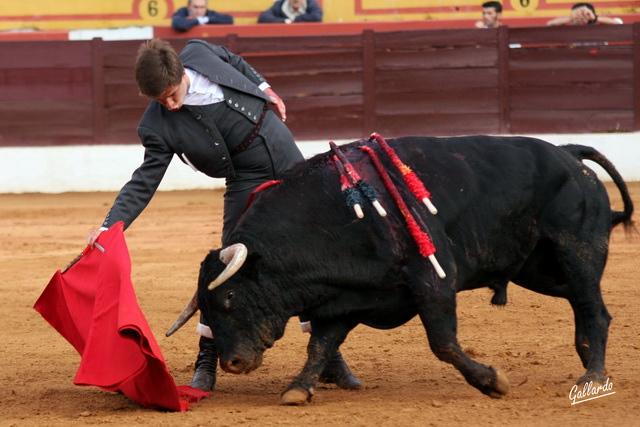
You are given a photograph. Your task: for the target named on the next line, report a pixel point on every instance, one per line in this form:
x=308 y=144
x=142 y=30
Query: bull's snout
x=239 y=365
x=234 y=366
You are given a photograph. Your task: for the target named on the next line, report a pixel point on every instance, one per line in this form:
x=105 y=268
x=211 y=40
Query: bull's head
x=238 y=310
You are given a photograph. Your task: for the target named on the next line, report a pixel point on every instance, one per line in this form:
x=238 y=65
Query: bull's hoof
x=337 y=372
x=499 y=293
x=594 y=379
x=296 y=397
x=499 y=386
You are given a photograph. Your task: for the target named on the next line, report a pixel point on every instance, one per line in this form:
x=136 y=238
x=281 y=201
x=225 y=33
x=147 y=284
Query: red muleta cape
x=94 y=307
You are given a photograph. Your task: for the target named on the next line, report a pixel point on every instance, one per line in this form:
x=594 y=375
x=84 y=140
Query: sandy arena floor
x=531 y=338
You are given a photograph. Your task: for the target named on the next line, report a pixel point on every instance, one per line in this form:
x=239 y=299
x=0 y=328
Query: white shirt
x=203 y=91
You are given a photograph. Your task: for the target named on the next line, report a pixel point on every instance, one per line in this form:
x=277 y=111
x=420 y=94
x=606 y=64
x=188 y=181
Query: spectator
x=210 y=108
x=491 y=15
x=196 y=13
x=288 y=11
x=583 y=14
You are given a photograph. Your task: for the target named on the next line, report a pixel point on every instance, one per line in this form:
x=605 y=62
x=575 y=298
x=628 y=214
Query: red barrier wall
x=514 y=80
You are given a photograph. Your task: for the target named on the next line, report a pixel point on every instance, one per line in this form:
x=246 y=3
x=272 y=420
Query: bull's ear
x=233 y=256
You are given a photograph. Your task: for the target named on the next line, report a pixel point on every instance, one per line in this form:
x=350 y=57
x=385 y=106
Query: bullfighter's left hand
x=275 y=99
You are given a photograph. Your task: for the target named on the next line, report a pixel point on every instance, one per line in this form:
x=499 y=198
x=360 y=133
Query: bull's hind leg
x=436 y=303
x=592 y=324
x=574 y=274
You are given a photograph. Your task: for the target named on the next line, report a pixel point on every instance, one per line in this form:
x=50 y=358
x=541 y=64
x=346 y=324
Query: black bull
x=509 y=209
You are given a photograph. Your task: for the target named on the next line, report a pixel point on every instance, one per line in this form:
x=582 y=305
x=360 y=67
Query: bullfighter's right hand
x=93 y=235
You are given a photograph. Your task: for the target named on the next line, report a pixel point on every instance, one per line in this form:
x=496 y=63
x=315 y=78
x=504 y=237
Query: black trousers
x=272 y=153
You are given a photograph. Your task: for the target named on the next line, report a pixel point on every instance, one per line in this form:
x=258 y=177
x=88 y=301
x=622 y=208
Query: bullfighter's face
x=173 y=96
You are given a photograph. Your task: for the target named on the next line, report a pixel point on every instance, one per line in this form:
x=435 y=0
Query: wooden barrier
x=428 y=82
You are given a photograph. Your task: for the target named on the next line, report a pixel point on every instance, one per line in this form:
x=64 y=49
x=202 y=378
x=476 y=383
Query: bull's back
x=499 y=198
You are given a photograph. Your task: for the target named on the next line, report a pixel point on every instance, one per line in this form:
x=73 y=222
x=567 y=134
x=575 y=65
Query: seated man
x=288 y=11
x=583 y=14
x=196 y=13
x=491 y=15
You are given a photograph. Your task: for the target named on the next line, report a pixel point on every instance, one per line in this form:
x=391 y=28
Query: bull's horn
x=234 y=256
x=186 y=314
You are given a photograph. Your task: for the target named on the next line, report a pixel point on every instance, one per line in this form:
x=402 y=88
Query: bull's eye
x=229 y=299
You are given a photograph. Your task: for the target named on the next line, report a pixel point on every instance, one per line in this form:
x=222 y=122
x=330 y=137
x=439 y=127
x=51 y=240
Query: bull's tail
x=582 y=152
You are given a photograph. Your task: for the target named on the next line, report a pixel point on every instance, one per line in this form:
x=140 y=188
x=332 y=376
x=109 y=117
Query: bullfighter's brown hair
x=158 y=68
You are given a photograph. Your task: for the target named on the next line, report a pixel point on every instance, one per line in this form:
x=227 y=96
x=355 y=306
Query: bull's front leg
x=326 y=337
x=436 y=301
